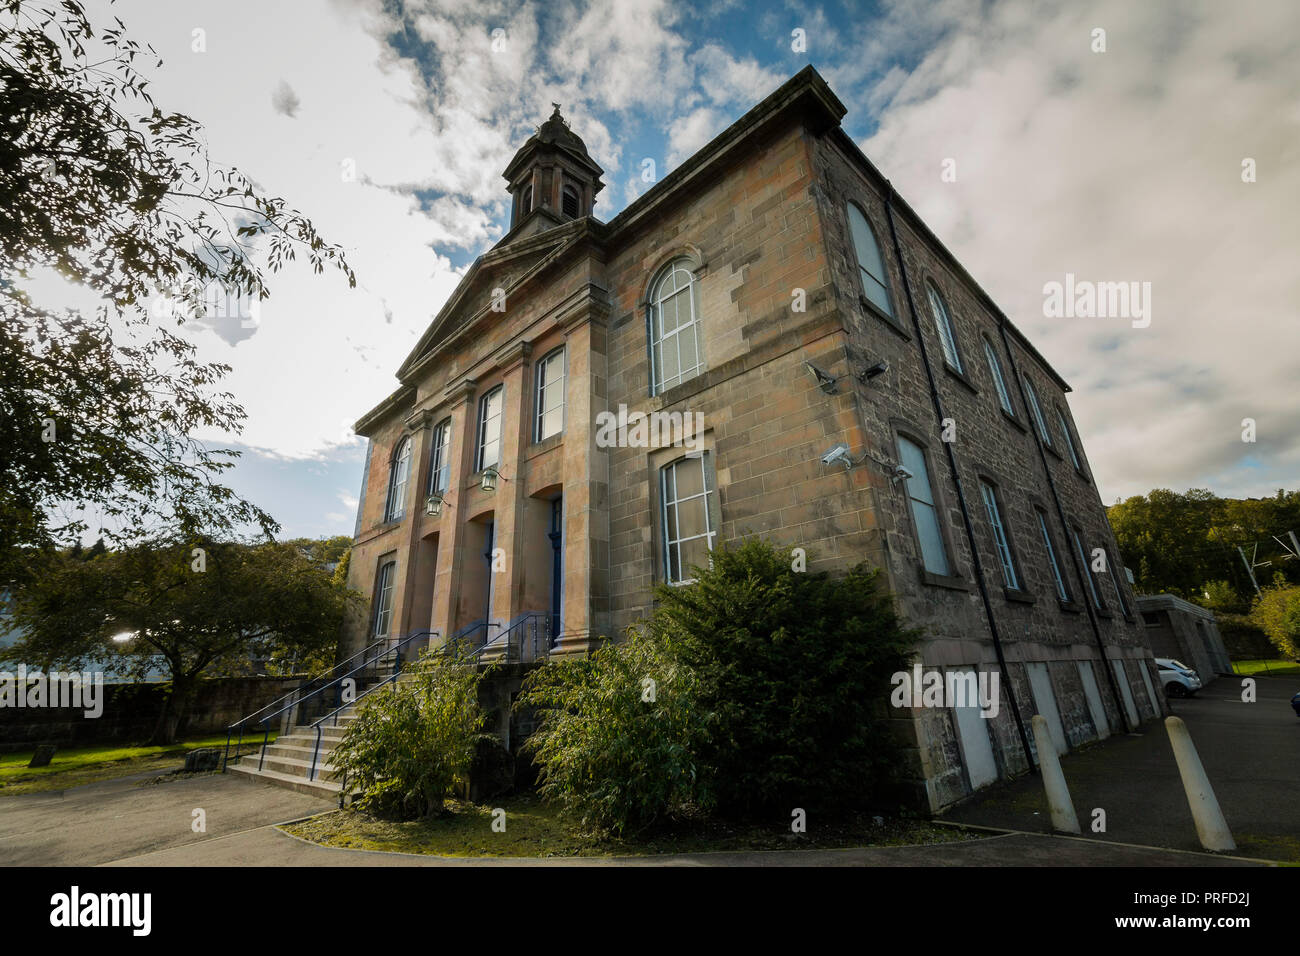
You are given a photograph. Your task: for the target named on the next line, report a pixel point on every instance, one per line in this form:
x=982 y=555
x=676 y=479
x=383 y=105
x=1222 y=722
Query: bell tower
x=553 y=175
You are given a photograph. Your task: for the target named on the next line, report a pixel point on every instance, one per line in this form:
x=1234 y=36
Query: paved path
x=270 y=846
x=1251 y=753
x=124 y=823
x=121 y=818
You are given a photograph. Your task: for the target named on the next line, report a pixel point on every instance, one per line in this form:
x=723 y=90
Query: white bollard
x=1064 y=819
x=1211 y=827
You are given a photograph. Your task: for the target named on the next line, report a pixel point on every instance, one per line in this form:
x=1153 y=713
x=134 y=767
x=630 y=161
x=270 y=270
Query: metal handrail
x=525 y=622
x=394 y=649
x=445 y=648
x=313 y=677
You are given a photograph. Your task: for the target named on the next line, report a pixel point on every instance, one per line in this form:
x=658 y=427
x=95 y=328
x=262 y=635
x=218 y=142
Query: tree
x=794 y=669
x=1177 y=543
x=101 y=186
x=413 y=742
x=201 y=607
x=756 y=689
x=1277 y=613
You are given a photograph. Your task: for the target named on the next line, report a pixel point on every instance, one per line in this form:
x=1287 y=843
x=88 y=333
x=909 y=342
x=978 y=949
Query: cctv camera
x=901 y=473
x=825 y=382
x=838 y=453
x=879 y=368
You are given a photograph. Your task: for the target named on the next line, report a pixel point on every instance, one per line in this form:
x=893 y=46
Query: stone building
x=1183 y=631
x=776 y=292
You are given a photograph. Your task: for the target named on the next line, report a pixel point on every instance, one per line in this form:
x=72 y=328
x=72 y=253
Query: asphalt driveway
x=130 y=816
x=1251 y=753
x=132 y=822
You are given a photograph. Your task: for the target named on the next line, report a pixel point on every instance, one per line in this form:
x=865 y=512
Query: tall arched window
x=686 y=487
x=675 y=354
x=925 y=513
x=399 y=470
x=489 y=430
x=943 y=321
x=871 y=266
x=440 y=459
x=1036 y=410
x=995 y=369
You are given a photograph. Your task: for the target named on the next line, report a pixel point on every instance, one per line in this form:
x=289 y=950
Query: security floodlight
x=901 y=473
x=838 y=454
x=880 y=368
x=825 y=382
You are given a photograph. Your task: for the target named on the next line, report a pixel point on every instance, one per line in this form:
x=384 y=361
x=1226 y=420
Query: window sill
x=1053 y=451
x=1070 y=607
x=545 y=445
x=872 y=309
x=950 y=581
x=1104 y=612
x=1012 y=419
x=683 y=389
x=961 y=377
x=1018 y=596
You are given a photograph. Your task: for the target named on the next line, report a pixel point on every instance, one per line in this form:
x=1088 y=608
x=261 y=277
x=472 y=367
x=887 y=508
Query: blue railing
x=319 y=680
x=525 y=639
x=372 y=659
x=456 y=642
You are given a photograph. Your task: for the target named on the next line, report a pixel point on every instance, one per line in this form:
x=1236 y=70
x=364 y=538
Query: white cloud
x=1126 y=165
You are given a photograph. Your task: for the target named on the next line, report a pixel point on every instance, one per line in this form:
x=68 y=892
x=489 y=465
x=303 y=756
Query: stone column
x=586 y=476
x=407 y=543
x=508 y=505
x=451 y=524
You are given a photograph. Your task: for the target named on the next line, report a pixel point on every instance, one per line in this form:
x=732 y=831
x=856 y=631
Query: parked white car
x=1179 y=679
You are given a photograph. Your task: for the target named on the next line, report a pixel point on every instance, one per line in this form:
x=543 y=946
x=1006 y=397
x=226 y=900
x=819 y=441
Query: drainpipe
x=1079 y=570
x=956 y=478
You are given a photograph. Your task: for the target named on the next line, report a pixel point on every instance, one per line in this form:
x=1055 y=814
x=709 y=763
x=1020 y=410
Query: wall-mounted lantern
x=490 y=476
x=433 y=505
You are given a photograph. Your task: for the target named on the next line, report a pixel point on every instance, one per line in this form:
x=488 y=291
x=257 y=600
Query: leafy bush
x=770 y=689
x=413 y=742
x=1277 y=614
x=795 y=668
x=613 y=748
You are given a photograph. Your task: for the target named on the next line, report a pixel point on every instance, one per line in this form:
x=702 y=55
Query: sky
x=1029 y=151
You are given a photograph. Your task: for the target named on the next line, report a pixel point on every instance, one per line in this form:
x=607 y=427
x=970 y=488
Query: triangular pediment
x=505 y=266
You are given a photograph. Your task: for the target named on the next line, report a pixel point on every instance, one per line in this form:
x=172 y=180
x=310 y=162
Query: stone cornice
x=462 y=390
x=516 y=353
x=589 y=304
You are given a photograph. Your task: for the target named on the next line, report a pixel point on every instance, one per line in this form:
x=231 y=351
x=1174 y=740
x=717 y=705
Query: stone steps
x=288 y=760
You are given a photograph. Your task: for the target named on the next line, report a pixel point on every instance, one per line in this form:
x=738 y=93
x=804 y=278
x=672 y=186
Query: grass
x=77 y=766
x=1277 y=668
x=535 y=829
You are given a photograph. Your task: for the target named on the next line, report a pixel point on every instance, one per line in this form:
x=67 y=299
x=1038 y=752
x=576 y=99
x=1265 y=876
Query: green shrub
x=1277 y=614
x=612 y=748
x=795 y=669
x=1242 y=639
x=771 y=686
x=413 y=743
